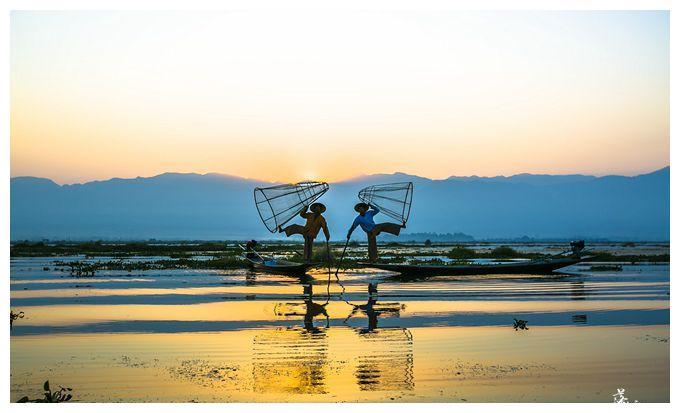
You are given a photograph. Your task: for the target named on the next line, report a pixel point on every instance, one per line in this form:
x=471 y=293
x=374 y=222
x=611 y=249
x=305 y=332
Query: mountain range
x=174 y=206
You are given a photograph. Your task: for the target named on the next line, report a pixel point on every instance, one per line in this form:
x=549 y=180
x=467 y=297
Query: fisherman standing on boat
x=315 y=223
x=365 y=220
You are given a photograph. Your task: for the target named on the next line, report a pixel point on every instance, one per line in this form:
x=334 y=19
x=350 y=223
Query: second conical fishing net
x=279 y=204
x=393 y=200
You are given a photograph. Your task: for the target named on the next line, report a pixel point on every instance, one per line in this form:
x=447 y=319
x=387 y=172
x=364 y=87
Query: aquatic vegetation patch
x=131 y=362
x=59 y=396
x=321 y=254
x=604 y=256
x=14 y=316
x=507 y=252
x=460 y=252
x=649 y=337
x=80 y=268
x=101 y=248
x=204 y=373
x=89 y=269
x=464 y=370
x=433 y=261
x=519 y=324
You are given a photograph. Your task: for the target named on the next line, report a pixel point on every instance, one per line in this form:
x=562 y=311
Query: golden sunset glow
x=288 y=96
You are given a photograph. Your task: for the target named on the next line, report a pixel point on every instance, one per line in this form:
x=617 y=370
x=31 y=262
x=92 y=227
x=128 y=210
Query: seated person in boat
x=315 y=223
x=250 y=250
x=365 y=220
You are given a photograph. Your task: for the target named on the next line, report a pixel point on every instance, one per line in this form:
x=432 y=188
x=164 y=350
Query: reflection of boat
x=542 y=266
x=578 y=290
x=579 y=319
x=290 y=360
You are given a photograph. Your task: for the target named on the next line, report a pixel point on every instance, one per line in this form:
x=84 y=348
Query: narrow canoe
x=278 y=266
x=543 y=266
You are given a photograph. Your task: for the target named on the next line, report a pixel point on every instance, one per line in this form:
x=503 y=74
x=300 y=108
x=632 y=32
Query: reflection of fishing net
x=393 y=200
x=387 y=309
x=387 y=363
x=290 y=360
x=290 y=309
x=279 y=204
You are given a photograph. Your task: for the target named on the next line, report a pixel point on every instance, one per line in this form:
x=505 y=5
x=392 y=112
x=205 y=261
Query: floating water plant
x=79 y=268
x=14 y=316
x=505 y=252
x=460 y=252
x=59 y=396
x=225 y=254
x=520 y=324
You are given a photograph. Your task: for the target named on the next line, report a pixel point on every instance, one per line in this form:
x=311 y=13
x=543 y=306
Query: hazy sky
x=330 y=95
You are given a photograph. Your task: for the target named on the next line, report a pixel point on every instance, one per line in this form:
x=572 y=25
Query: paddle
x=342 y=257
x=328 y=286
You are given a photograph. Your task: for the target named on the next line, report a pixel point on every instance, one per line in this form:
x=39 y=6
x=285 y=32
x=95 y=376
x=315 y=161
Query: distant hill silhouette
x=214 y=206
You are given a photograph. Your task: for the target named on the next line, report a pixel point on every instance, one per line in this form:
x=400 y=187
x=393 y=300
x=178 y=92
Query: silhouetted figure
x=365 y=220
x=315 y=223
x=250 y=249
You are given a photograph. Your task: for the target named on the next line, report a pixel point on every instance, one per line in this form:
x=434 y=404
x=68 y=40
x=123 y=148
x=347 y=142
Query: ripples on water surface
x=182 y=335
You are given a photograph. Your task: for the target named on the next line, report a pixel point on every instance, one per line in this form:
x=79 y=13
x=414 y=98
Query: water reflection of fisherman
x=373 y=311
x=315 y=223
x=312 y=310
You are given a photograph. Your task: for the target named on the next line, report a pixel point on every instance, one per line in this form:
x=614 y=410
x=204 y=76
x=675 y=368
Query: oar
x=342 y=257
x=252 y=250
x=328 y=286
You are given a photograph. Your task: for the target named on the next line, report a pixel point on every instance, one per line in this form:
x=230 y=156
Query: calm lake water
x=187 y=335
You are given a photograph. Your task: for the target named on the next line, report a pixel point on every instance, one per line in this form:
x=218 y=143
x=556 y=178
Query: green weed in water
x=59 y=396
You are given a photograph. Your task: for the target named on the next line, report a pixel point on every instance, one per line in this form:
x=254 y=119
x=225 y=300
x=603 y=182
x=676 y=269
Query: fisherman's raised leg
x=293 y=229
x=388 y=227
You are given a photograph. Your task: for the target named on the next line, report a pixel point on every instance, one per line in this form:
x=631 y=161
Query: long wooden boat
x=278 y=266
x=542 y=266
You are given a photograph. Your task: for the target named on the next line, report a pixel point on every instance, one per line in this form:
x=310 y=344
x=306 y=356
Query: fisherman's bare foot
x=403 y=225
x=280 y=229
